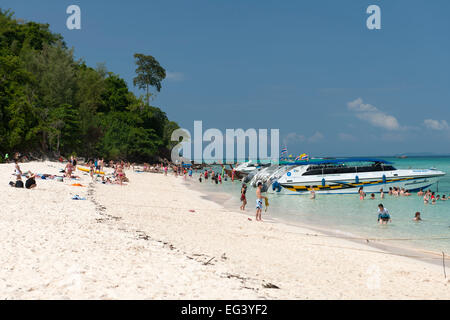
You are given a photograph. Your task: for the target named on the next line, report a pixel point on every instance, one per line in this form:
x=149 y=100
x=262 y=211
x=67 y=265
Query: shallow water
x=348 y=215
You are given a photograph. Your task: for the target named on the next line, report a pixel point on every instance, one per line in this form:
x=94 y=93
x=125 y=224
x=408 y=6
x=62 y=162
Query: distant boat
x=403 y=156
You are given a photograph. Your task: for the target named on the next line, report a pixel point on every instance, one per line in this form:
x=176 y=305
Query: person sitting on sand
x=31 y=181
x=383 y=215
x=417 y=217
x=259 y=201
x=243 y=198
x=17 y=171
x=18 y=174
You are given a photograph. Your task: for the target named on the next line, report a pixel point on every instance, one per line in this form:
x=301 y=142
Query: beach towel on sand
x=77 y=197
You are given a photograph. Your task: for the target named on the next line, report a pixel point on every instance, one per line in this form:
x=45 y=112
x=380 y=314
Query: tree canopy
x=149 y=73
x=52 y=104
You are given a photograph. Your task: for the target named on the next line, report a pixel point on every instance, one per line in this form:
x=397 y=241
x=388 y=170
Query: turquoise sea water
x=347 y=214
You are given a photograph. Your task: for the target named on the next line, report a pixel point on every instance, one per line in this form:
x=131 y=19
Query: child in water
x=383 y=215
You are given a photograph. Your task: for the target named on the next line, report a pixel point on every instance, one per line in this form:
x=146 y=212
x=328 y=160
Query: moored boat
x=341 y=176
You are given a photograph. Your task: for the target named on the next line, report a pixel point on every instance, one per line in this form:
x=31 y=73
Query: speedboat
x=341 y=176
x=249 y=167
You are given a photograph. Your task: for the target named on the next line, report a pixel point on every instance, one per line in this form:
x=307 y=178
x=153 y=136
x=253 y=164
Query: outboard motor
x=276 y=186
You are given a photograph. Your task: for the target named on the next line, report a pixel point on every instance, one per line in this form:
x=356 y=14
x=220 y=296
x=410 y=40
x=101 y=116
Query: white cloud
x=347 y=137
x=316 y=137
x=294 y=137
x=373 y=115
x=436 y=124
x=175 y=76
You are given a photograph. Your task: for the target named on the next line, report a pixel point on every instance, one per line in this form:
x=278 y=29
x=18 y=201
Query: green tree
x=149 y=73
x=52 y=104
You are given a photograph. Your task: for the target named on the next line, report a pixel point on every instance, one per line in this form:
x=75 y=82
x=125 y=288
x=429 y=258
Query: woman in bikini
x=120 y=174
x=361 y=193
x=243 y=198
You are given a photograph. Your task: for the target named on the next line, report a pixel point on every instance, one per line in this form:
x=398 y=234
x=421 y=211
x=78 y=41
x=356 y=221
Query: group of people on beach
x=216 y=177
x=30 y=182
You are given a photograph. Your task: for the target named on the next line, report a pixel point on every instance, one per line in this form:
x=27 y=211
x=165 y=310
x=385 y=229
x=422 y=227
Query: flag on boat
x=283 y=153
x=304 y=157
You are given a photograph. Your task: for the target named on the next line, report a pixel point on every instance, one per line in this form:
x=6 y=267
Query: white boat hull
x=414 y=181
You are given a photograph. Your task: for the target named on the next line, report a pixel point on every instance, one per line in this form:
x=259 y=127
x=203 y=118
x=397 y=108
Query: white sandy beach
x=140 y=241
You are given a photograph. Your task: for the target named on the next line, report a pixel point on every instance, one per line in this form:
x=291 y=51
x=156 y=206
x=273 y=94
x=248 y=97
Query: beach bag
x=19 y=184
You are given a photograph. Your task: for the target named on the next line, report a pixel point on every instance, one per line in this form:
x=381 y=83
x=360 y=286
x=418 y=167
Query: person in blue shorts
x=383 y=215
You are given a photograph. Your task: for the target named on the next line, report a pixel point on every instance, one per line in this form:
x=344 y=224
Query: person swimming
x=417 y=217
x=381 y=194
x=372 y=196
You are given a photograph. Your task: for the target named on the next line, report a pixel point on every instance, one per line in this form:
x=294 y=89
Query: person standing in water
x=243 y=198
x=312 y=193
x=383 y=215
x=259 y=201
x=362 y=194
x=381 y=194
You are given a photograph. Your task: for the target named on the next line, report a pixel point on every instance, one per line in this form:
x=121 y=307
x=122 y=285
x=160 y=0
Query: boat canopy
x=338 y=161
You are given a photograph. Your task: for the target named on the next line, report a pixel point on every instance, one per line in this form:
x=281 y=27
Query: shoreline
x=422 y=254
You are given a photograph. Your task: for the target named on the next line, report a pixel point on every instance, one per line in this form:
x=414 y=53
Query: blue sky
x=309 y=68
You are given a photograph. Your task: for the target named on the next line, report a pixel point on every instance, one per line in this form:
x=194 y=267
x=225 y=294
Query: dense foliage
x=52 y=104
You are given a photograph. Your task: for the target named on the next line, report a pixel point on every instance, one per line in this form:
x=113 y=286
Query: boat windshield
x=339 y=168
